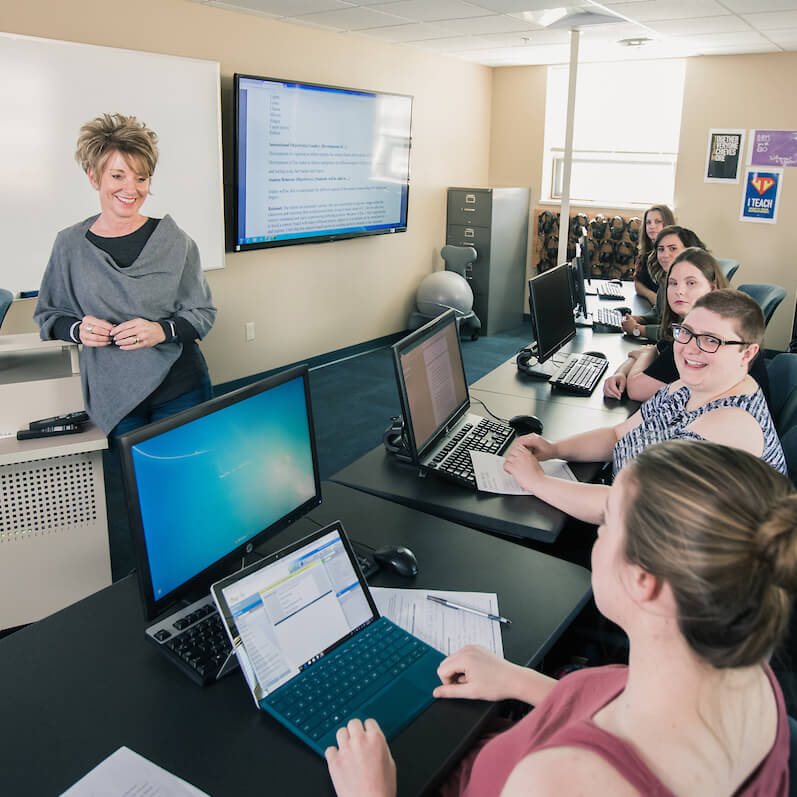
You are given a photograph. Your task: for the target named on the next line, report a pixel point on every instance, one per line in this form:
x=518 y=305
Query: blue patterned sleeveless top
x=665 y=417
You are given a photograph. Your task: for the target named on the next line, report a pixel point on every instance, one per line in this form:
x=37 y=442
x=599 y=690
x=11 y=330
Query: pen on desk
x=452 y=605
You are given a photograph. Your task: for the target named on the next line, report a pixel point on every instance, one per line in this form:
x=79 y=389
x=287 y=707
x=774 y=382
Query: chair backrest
x=6 y=297
x=782 y=373
x=793 y=757
x=458 y=258
x=768 y=296
x=729 y=267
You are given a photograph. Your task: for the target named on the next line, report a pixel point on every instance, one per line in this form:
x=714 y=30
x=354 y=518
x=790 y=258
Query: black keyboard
x=579 y=374
x=196 y=642
x=607 y=317
x=317 y=700
x=453 y=460
x=609 y=290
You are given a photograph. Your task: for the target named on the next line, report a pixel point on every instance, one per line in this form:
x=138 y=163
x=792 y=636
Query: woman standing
x=128 y=287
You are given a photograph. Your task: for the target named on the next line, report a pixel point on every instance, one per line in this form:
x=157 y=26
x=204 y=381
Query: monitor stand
x=540 y=370
x=583 y=320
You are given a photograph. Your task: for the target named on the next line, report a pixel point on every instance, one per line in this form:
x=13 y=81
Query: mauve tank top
x=563 y=719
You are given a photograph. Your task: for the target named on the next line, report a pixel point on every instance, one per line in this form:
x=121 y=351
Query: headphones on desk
x=522 y=360
x=394 y=439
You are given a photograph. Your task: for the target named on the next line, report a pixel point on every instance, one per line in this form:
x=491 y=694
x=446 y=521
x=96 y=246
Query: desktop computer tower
x=495 y=222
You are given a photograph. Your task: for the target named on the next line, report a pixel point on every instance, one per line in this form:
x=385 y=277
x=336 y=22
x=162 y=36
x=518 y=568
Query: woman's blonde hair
x=719 y=525
x=111 y=133
x=707 y=264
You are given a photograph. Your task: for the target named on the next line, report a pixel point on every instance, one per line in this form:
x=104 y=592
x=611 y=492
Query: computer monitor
x=431 y=381
x=551 y=310
x=586 y=264
x=579 y=293
x=206 y=485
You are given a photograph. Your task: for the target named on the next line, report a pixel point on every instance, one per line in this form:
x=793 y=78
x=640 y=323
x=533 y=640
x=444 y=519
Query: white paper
x=127 y=774
x=446 y=629
x=492 y=478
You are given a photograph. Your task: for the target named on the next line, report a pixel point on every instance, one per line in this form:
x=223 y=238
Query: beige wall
x=745 y=91
x=304 y=300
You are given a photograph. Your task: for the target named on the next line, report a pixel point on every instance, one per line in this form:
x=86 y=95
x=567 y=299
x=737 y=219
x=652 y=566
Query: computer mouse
x=526 y=424
x=598 y=354
x=616 y=282
x=398 y=558
x=623 y=310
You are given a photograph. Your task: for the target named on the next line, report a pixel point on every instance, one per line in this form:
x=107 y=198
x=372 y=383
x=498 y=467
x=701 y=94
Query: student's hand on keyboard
x=361 y=764
x=538 y=446
x=475 y=674
x=629 y=324
x=614 y=386
x=522 y=463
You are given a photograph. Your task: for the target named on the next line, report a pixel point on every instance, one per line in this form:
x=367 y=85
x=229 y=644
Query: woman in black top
x=655 y=219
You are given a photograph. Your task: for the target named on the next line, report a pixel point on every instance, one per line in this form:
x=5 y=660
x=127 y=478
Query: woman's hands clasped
x=138 y=333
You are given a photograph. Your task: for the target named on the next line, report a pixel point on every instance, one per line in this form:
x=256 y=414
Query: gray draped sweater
x=165 y=281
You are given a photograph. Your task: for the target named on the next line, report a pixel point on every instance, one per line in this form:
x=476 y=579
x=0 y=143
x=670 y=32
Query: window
x=625 y=136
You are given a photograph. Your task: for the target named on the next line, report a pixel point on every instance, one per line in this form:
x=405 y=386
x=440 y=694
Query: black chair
x=729 y=267
x=793 y=757
x=6 y=297
x=782 y=373
x=768 y=296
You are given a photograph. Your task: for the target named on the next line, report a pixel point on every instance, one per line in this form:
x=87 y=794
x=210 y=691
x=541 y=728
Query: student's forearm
x=578 y=499
x=593 y=446
x=529 y=686
x=645 y=292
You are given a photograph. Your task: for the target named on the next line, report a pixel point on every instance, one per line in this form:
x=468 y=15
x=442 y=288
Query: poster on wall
x=724 y=154
x=773 y=148
x=761 y=194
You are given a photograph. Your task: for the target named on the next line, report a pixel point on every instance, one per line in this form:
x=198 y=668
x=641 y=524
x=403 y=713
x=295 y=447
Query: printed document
x=492 y=478
x=443 y=627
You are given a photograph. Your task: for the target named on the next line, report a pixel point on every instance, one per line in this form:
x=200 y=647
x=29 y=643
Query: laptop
x=439 y=429
x=312 y=644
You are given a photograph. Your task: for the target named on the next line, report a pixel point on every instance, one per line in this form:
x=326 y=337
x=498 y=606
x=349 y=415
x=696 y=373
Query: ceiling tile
x=350 y=19
x=415 y=32
x=284 y=8
x=784 y=38
x=432 y=10
x=776 y=20
x=529 y=37
x=455 y=44
x=753 y=6
x=516 y=6
x=495 y=23
x=712 y=25
x=650 y=10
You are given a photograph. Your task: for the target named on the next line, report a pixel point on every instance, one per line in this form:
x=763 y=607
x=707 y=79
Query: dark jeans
x=121 y=543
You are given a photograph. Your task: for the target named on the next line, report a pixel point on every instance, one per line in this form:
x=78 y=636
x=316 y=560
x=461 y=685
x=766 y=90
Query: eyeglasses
x=706 y=343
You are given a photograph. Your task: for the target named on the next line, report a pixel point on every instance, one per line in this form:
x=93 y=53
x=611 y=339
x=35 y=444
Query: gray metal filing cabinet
x=495 y=221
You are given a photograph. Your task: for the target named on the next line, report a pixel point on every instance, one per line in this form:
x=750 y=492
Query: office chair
x=6 y=297
x=768 y=296
x=729 y=267
x=793 y=757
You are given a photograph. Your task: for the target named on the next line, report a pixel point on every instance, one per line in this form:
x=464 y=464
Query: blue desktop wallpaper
x=212 y=484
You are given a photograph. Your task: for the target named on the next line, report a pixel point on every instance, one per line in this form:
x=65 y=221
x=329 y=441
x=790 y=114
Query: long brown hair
x=688 y=238
x=707 y=264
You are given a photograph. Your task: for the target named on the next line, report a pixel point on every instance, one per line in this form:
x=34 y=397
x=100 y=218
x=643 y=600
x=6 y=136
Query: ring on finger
x=138 y=340
x=90 y=329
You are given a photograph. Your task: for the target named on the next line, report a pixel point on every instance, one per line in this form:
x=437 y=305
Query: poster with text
x=724 y=155
x=773 y=148
x=761 y=194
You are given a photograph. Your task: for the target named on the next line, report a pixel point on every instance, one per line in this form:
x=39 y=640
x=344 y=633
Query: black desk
x=81 y=683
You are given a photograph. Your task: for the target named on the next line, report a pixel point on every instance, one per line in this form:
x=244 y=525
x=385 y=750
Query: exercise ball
x=444 y=289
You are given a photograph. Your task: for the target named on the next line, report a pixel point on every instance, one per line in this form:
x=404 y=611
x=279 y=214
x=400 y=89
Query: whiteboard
x=48 y=90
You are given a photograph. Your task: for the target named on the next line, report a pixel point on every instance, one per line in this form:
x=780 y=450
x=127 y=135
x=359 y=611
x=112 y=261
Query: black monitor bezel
x=201 y=582
x=233 y=243
x=534 y=284
x=409 y=342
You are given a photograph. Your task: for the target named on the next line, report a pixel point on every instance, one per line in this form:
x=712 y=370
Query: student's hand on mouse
x=94 y=331
x=138 y=333
x=614 y=386
x=361 y=764
x=629 y=324
x=473 y=673
x=523 y=465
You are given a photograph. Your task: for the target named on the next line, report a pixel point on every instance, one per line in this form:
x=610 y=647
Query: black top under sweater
x=190 y=368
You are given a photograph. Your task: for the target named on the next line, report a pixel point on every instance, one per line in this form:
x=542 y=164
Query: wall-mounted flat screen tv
x=318 y=163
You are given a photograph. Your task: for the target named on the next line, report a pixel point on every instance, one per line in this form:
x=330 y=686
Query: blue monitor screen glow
x=212 y=480
x=318 y=163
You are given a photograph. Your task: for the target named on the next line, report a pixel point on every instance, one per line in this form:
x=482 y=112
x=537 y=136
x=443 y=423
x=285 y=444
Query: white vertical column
x=564 y=213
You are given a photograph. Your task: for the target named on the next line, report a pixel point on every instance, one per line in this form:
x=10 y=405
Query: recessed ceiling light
x=635 y=41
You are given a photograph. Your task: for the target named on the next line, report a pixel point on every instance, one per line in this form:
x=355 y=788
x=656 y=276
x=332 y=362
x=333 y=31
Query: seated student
x=671 y=241
x=654 y=219
x=696 y=559
x=714 y=399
